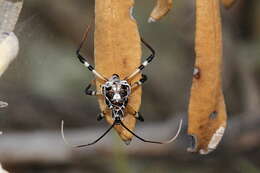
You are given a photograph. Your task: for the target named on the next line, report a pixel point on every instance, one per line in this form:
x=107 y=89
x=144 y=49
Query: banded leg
x=145 y=63
x=84 y=61
x=140 y=82
x=136 y=114
x=102 y=114
x=90 y=92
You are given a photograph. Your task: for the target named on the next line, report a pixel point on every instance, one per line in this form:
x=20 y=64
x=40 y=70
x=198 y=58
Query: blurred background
x=46 y=83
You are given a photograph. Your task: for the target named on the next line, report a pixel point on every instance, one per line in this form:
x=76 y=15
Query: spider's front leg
x=83 y=59
x=136 y=114
x=145 y=63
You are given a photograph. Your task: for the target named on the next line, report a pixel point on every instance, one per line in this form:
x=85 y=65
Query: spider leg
x=102 y=114
x=140 y=82
x=136 y=114
x=90 y=92
x=83 y=145
x=145 y=63
x=154 y=142
x=84 y=60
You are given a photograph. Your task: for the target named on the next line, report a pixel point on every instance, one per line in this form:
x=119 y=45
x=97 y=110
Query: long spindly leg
x=154 y=142
x=145 y=63
x=95 y=141
x=140 y=82
x=84 y=60
x=84 y=145
x=136 y=114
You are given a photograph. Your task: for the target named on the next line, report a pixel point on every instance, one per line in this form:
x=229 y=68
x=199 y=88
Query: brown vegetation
x=117 y=51
x=207 y=113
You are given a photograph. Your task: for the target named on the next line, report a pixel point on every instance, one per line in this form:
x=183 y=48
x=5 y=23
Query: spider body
x=116 y=92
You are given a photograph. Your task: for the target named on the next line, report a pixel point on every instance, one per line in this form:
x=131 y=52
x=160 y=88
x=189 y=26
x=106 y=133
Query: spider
x=116 y=92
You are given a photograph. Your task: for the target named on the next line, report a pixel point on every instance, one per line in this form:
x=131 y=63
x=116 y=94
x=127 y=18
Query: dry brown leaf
x=117 y=50
x=207 y=113
x=228 y=3
x=161 y=9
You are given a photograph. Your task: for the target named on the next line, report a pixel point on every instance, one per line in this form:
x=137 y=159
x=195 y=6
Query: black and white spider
x=116 y=92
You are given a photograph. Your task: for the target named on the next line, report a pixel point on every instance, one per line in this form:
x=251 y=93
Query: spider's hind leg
x=102 y=114
x=136 y=114
x=139 y=117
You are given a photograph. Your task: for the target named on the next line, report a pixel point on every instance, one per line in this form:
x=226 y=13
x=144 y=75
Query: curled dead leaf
x=207 y=112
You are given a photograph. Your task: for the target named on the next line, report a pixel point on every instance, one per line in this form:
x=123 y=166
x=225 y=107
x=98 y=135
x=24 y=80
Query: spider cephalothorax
x=116 y=93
